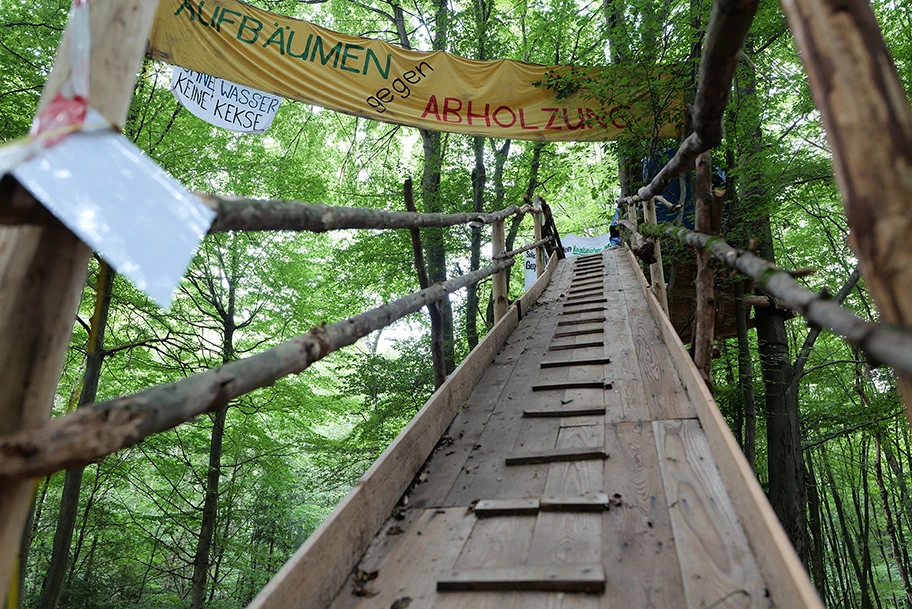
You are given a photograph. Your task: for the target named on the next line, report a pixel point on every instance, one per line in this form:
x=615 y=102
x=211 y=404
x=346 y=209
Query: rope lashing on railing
x=92 y=432
x=881 y=343
x=524 y=248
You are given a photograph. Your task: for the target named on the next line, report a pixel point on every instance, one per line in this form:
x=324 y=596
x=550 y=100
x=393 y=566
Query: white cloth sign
x=573 y=246
x=223 y=103
x=142 y=221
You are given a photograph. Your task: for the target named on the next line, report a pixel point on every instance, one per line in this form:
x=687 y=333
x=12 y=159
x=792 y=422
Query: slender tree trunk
x=860 y=575
x=210 y=511
x=478 y=186
x=69 y=502
x=891 y=528
x=745 y=377
x=818 y=569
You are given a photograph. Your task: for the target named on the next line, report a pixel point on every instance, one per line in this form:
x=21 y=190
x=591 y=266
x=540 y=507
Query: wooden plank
x=579 y=333
x=584 y=281
x=528 y=479
x=716 y=560
x=486 y=508
x=572 y=385
x=554 y=455
x=563 y=410
x=580 y=290
x=588 y=436
x=450 y=457
x=584 y=302
x=638 y=546
x=583 y=294
x=593 y=502
x=579 y=322
x=581 y=362
x=590 y=310
x=576 y=346
x=314 y=574
x=552 y=578
x=788 y=582
x=581 y=421
x=426 y=549
x=497 y=542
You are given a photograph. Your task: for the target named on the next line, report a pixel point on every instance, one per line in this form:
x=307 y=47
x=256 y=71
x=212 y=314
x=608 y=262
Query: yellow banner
x=298 y=60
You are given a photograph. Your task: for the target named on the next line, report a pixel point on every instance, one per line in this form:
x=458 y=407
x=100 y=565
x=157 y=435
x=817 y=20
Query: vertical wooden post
x=705 y=316
x=656 y=270
x=500 y=279
x=868 y=124
x=540 y=250
x=42 y=269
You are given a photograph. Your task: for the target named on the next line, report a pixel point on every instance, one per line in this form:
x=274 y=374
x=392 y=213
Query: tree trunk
x=891 y=528
x=478 y=186
x=746 y=377
x=860 y=575
x=814 y=521
x=69 y=502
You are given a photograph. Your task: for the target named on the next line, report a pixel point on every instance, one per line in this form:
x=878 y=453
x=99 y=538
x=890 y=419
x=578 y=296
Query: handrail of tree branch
x=882 y=343
x=725 y=35
x=524 y=248
x=236 y=213
x=17 y=206
x=92 y=432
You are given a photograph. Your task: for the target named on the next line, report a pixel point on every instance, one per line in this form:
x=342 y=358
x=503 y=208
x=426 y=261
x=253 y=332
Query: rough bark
x=523 y=249
x=868 y=123
x=91 y=433
x=705 y=316
x=69 y=501
x=437 y=353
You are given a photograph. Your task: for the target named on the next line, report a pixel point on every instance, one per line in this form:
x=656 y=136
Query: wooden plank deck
x=650 y=525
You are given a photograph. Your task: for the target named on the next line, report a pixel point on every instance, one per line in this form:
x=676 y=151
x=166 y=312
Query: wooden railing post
x=42 y=269
x=539 y=251
x=656 y=270
x=500 y=279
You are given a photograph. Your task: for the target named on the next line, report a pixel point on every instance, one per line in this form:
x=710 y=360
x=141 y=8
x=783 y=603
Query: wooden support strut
x=42 y=269
x=539 y=252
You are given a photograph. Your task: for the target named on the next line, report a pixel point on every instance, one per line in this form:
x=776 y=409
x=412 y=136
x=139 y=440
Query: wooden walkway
x=576 y=476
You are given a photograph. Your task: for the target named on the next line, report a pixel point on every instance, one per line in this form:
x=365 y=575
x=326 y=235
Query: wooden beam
x=788 y=582
x=579 y=333
x=577 y=322
x=572 y=385
x=500 y=280
x=563 y=411
x=594 y=502
x=868 y=123
x=705 y=316
x=489 y=508
x=579 y=362
x=556 y=455
x=42 y=269
x=589 y=577
x=590 y=310
x=576 y=346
